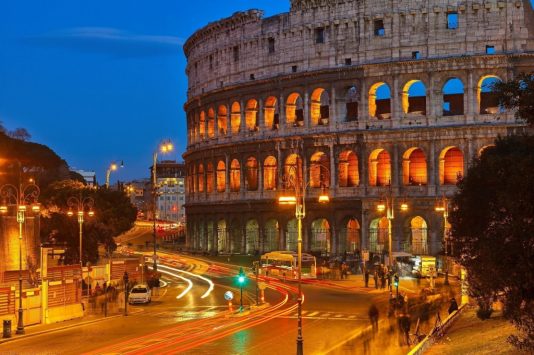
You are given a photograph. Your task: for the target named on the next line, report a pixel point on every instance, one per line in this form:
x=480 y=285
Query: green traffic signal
x=241 y=279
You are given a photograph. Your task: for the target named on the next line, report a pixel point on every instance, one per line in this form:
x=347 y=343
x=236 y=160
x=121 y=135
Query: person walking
x=373 y=317
x=454 y=306
x=366 y=277
x=383 y=280
x=376 y=279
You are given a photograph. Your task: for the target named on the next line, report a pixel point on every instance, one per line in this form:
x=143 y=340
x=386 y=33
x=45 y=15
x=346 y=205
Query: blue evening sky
x=103 y=80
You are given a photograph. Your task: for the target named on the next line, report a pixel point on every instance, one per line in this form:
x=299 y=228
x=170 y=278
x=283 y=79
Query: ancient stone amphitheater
x=370 y=101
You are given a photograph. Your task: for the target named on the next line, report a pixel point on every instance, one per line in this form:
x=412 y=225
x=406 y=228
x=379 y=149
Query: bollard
x=7 y=328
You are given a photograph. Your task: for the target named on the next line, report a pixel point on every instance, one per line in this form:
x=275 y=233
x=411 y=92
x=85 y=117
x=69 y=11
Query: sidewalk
x=470 y=335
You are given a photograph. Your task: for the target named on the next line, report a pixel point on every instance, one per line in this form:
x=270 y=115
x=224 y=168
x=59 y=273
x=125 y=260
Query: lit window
x=452 y=20
x=379 y=28
x=490 y=49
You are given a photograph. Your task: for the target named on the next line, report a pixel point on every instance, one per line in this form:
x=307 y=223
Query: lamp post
x=299 y=200
x=164 y=147
x=21 y=198
x=389 y=206
x=443 y=207
x=112 y=167
x=81 y=204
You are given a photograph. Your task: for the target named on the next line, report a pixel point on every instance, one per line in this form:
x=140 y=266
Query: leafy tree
x=493 y=231
x=518 y=94
x=21 y=134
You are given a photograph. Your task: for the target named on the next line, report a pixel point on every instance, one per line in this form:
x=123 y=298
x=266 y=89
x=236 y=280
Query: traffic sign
x=228 y=295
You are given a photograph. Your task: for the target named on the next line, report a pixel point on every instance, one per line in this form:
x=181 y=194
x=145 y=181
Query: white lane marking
x=210 y=283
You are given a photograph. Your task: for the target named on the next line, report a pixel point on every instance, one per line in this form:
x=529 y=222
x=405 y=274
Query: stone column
x=397 y=112
x=281 y=114
x=242 y=123
x=471 y=101
x=260 y=123
x=333 y=108
x=306 y=109
x=333 y=175
x=260 y=175
x=433 y=177
x=395 y=167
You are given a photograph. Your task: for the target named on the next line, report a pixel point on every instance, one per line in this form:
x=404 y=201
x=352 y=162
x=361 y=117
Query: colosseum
x=369 y=101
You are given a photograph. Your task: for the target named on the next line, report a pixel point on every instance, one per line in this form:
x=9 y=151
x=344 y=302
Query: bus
x=284 y=264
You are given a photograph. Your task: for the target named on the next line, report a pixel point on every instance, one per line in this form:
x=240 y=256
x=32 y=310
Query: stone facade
x=329 y=90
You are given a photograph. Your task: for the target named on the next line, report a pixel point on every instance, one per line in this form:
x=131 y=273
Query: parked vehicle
x=140 y=294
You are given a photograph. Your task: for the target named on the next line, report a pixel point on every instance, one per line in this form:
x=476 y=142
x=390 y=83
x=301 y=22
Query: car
x=140 y=294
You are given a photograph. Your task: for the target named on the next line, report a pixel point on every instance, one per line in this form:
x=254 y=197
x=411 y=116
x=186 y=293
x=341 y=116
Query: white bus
x=284 y=264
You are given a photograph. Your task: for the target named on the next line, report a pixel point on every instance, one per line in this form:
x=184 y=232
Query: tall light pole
x=81 y=205
x=164 y=147
x=299 y=200
x=21 y=198
x=388 y=205
x=112 y=167
x=443 y=207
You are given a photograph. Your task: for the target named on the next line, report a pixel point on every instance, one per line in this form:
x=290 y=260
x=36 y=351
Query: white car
x=140 y=294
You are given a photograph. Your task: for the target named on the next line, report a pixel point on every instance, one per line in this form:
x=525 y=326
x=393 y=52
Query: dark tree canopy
x=493 y=229
x=518 y=94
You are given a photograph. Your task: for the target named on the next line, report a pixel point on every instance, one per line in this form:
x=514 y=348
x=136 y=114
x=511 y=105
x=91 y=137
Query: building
x=367 y=99
x=170 y=178
x=140 y=194
x=88 y=176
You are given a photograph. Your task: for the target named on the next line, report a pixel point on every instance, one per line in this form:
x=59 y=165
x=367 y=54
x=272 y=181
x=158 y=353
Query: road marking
x=313 y=314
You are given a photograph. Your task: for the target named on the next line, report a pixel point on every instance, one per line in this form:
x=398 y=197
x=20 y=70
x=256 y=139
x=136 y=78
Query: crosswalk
x=307 y=314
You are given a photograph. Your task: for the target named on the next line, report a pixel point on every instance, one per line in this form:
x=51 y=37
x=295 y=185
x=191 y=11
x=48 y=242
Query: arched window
x=293 y=170
x=319 y=107
x=379 y=168
x=200 y=177
x=321 y=238
x=348 y=169
x=211 y=123
x=380 y=101
x=210 y=178
x=269 y=173
x=414 y=168
x=235 y=176
x=319 y=170
x=378 y=235
x=350 y=236
x=294 y=110
x=451 y=164
x=202 y=123
x=223 y=241
x=271 y=235
x=488 y=101
x=251 y=115
x=270 y=113
x=419 y=241
x=453 y=97
x=222 y=119
x=235 y=119
x=414 y=97
x=252 y=174
x=352 y=104
x=252 y=236
x=221 y=176
x=292 y=235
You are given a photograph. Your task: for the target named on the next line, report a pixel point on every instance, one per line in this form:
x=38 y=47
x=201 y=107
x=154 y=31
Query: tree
x=21 y=134
x=518 y=94
x=493 y=230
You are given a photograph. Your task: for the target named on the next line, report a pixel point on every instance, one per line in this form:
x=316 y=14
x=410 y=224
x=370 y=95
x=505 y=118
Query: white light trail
x=210 y=283
x=189 y=282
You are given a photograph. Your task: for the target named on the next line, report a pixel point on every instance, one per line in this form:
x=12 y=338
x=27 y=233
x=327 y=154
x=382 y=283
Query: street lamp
x=81 y=204
x=21 y=198
x=388 y=205
x=443 y=207
x=112 y=167
x=299 y=200
x=165 y=147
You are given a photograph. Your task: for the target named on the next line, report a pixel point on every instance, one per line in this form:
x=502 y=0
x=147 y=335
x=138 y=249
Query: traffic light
x=396 y=280
x=241 y=278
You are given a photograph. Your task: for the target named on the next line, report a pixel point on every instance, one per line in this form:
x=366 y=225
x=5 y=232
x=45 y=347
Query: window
x=319 y=35
x=236 y=53
x=294 y=69
x=211 y=62
x=379 y=28
x=348 y=61
x=416 y=55
x=452 y=20
x=252 y=77
x=271 y=45
x=490 y=49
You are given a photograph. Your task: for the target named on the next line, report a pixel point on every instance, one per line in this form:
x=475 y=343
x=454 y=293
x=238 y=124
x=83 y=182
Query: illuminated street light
x=112 y=167
x=21 y=198
x=387 y=205
x=81 y=205
x=443 y=207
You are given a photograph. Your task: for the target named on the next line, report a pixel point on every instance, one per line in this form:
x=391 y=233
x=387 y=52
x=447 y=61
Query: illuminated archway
x=379 y=168
x=252 y=174
x=251 y=115
x=222 y=119
x=292 y=235
x=223 y=242
x=380 y=101
x=451 y=166
x=414 y=167
x=483 y=149
x=210 y=178
x=293 y=170
x=202 y=125
x=200 y=178
x=378 y=235
x=319 y=170
x=270 y=113
x=488 y=101
x=221 y=176
x=348 y=169
x=235 y=176
x=235 y=118
x=321 y=238
x=418 y=231
x=211 y=123
x=453 y=97
x=270 y=173
x=351 y=104
x=271 y=235
x=414 y=97
x=294 y=110
x=319 y=107
x=252 y=237
x=350 y=236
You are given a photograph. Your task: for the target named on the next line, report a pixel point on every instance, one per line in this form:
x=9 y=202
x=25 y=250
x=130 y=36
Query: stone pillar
x=432 y=173
x=242 y=123
x=397 y=112
x=306 y=109
x=260 y=118
x=242 y=180
x=281 y=114
x=395 y=166
x=471 y=101
x=227 y=174
x=363 y=104
x=333 y=175
x=432 y=95
x=228 y=120
x=260 y=176
x=363 y=165
x=333 y=108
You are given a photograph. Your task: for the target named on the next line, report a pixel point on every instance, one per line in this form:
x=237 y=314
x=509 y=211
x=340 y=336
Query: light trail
x=210 y=283
x=189 y=282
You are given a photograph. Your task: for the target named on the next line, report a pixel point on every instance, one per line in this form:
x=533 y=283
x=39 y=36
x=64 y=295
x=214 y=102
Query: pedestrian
x=366 y=277
x=373 y=317
x=376 y=279
x=454 y=306
x=389 y=276
x=97 y=289
x=404 y=327
x=383 y=280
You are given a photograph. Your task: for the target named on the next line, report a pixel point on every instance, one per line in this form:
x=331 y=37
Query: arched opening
x=202 y=124
x=351 y=103
x=235 y=176
x=319 y=170
x=221 y=176
x=348 y=169
x=414 y=97
x=292 y=235
x=293 y=170
x=488 y=101
x=210 y=178
x=380 y=101
x=235 y=118
x=270 y=172
x=294 y=110
x=223 y=242
x=414 y=168
x=222 y=119
x=350 y=237
x=271 y=235
x=252 y=174
x=453 y=97
x=319 y=107
x=210 y=235
x=379 y=168
x=321 y=238
x=236 y=235
x=271 y=114
x=252 y=236
x=418 y=243
x=200 y=178
x=483 y=149
x=202 y=237
x=211 y=123
x=378 y=235
x=451 y=166
x=251 y=115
